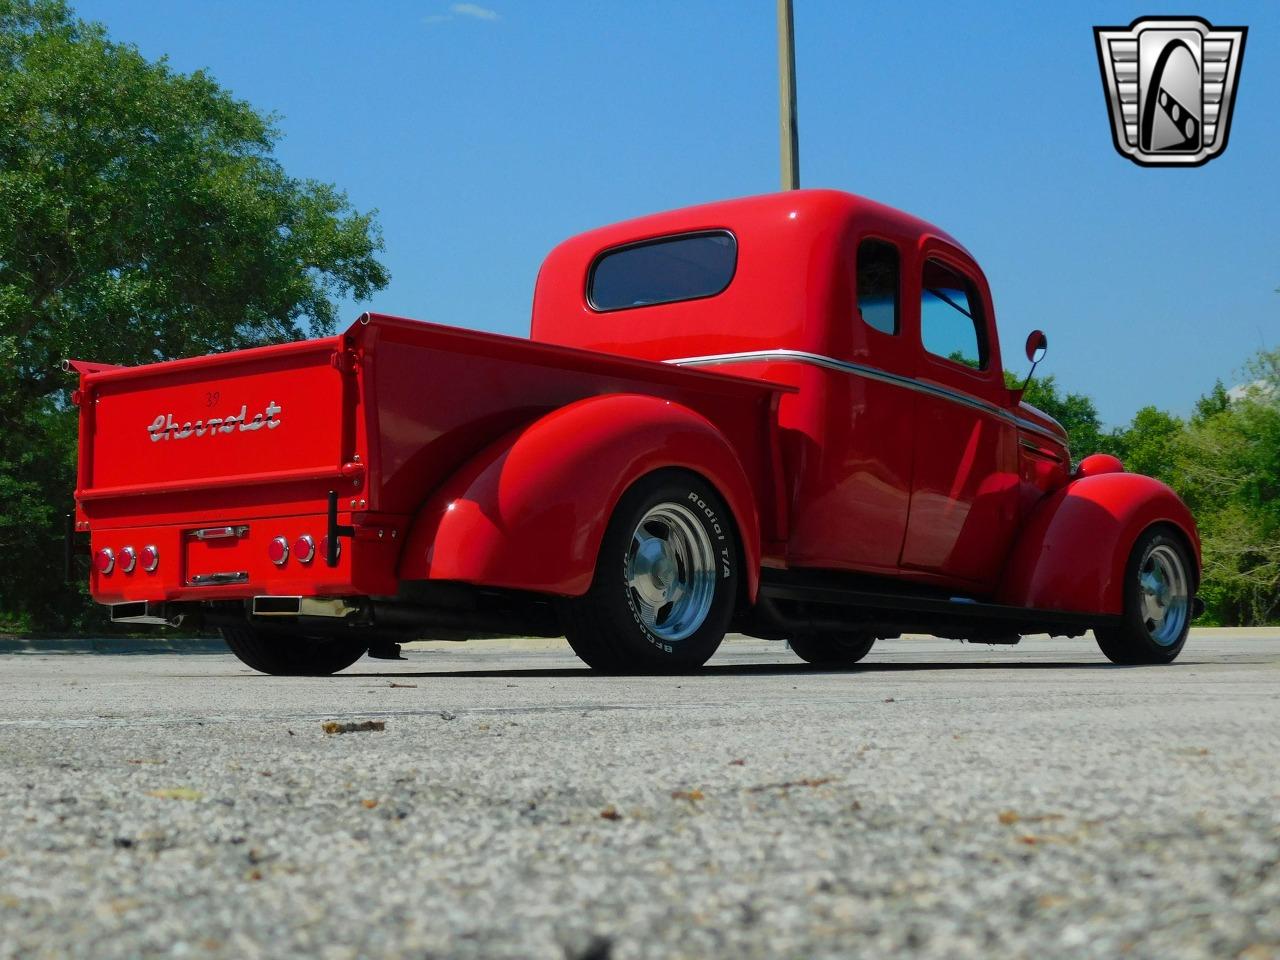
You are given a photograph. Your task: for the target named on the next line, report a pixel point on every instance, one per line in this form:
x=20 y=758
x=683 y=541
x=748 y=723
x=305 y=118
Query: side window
x=686 y=267
x=878 y=285
x=951 y=321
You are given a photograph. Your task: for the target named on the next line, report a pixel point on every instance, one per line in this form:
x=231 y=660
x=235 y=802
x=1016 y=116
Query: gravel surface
x=943 y=800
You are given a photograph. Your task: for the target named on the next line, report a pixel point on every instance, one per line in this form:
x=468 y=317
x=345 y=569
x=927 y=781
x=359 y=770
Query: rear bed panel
x=435 y=396
x=258 y=432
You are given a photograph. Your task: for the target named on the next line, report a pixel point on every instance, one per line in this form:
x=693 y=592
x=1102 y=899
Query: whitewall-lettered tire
x=666 y=580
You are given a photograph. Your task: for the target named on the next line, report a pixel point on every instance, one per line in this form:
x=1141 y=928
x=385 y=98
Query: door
x=964 y=481
x=858 y=485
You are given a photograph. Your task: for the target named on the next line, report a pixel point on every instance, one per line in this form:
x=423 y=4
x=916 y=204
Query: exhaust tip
x=276 y=606
x=329 y=607
x=127 y=612
x=147 y=612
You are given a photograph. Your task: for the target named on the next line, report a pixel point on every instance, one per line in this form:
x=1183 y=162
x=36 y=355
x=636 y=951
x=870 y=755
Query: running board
x=909 y=608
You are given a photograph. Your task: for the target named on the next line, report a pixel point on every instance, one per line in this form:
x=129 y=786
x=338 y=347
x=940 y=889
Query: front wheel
x=666 y=580
x=1159 y=583
x=286 y=654
x=825 y=650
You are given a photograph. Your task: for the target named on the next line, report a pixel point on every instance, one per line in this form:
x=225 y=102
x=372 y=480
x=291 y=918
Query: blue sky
x=485 y=133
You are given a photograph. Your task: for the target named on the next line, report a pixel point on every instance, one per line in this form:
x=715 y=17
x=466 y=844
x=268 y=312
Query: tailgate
x=205 y=434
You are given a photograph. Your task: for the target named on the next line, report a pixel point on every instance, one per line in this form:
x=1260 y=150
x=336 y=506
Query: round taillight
x=278 y=551
x=150 y=558
x=105 y=560
x=324 y=549
x=304 y=548
x=128 y=559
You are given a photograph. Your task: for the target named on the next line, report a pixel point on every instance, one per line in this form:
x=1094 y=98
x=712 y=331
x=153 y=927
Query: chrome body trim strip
x=871 y=373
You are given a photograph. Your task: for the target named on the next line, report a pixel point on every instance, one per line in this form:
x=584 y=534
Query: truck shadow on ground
x=755 y=669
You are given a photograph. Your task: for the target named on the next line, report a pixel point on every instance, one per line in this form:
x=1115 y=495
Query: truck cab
x=785 y=415
x=904 y=452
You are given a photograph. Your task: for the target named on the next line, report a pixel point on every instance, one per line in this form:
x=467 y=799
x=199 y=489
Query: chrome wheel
x=671 y=572
x=1164 y=594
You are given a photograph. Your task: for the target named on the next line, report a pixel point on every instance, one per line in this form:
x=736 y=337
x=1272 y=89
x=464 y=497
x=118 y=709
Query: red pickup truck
x=782 y=415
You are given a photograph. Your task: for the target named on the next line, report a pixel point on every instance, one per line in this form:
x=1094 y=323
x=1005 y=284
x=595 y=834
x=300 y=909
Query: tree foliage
x=143 y=217
x=1226 y=465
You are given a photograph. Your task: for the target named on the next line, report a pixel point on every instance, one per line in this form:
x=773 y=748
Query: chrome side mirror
x=1037 y=346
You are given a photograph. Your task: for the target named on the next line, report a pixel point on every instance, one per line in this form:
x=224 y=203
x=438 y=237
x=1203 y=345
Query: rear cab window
x=689 y=266
x=952 y=324
x=878 y=281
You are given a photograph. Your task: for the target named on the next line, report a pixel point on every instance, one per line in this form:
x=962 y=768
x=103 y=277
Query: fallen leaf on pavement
x=787 y=785
x=610 y=813
x=176 y=793
x=333 y=726
x=369 y=804
x=691 y=795
x=1008 y=817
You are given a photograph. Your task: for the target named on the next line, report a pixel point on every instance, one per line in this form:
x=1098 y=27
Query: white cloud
x=475 y=11
x=1256 y=389
x=456 y=10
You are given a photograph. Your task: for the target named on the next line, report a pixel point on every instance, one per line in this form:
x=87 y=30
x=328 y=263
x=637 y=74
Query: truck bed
x=209 y=459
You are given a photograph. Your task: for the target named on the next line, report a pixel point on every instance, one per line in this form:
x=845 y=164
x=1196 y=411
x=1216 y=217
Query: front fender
x=1071 y=554
x=530 y=510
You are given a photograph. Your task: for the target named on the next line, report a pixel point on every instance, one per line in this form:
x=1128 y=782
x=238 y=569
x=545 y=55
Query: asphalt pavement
x=940 y=800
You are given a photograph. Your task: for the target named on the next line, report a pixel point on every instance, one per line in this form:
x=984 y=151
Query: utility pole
x=787 y=97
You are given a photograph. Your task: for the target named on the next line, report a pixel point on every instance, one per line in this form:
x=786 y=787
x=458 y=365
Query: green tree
x=1212 y=403
x=1146 y=445
x=143 y=216
x=1227 y=468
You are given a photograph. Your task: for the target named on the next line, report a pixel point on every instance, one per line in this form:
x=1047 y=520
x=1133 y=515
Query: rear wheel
x=828 y=650
x=285 y=654
x=666 y=580
x=1159 y=584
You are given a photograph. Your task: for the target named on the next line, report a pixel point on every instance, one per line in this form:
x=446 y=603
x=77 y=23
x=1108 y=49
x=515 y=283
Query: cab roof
x=790 y=249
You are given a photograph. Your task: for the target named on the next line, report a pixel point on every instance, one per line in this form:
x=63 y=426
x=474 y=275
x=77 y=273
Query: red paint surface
x=495 y=460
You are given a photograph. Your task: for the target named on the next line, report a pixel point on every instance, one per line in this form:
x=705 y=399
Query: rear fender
x=530 y=510
x=1071 y=554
